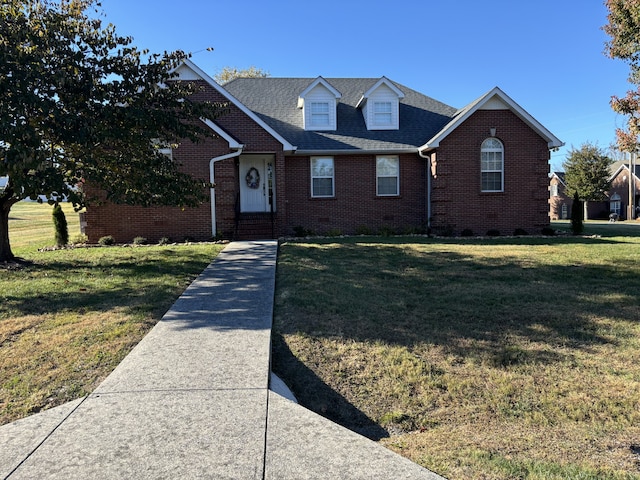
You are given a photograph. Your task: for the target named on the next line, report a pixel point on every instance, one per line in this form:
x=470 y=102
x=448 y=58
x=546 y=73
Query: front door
x=256 y=179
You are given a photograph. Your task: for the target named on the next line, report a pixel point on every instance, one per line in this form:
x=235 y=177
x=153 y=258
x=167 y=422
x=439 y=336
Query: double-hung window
x=322 y=177
x=387 y=176
x=382 y=114
x=320 y=114
x=492 y=165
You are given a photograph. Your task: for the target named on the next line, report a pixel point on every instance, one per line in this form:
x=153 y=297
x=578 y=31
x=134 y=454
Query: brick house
x=559 y=203
x=617 y=201
x=350 y=155
x=618 y=195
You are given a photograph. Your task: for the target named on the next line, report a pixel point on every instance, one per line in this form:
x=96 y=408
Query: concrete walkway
x=192 y=400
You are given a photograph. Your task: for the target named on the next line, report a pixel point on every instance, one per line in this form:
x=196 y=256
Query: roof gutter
x=237 y=153
x=396 y=151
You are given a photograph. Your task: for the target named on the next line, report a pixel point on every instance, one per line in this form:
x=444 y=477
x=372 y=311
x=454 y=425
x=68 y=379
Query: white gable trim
x=624 y=166
x=233 y=143
x=318 y=81
x=380 y=106
x=555 y=175
x=385 y=81
x=193 y=72
x=491 y=101
x=319 y=104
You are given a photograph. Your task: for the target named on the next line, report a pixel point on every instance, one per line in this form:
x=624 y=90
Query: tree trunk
x=585 y=215
x=6 y=202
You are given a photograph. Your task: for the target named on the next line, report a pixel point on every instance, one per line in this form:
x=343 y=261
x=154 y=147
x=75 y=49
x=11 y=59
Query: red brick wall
x=355 y=204
x=126 y=222
x=619 y=185
x=457 y=200
x=459 y=204
x=556 y=202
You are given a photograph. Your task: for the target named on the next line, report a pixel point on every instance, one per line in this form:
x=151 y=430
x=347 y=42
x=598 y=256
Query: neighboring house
x=619 y=195
x=559 y=202
x=617 y=201
x=350 y=155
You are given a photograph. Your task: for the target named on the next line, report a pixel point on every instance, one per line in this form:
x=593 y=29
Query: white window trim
x=501 y=170
x=332 y=177
x=324 y=115
x=386 y=113
x=397 y=177
x=319 y=91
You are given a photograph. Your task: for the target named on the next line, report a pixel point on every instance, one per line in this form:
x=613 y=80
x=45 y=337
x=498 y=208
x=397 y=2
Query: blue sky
x=546 y=55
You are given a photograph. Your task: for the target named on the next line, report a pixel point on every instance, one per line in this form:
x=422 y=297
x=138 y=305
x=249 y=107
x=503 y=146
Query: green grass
x=505 y=358
x=68 y=317
x=31 y=226
x=603 y=228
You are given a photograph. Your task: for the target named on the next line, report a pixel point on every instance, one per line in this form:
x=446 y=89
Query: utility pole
x=632 y=187
x=633 y=180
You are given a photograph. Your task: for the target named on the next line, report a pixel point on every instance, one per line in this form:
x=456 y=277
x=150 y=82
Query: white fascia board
x=396 y=151
x=325 y=84
x=618 y=171
x=233 y=143
x=553 y=174
x=388 y=83
x=552 y=141
x=383 y=80
x=287 y=147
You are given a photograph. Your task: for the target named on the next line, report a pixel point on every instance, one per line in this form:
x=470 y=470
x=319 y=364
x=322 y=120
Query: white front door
x=255 y=171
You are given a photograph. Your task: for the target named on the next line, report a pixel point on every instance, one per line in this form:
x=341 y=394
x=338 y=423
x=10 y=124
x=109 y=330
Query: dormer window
x=320 y=115
x=382 y=114
x=380 y=106
x=319 y=103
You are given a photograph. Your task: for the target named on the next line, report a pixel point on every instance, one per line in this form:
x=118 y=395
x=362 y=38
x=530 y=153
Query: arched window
x=615 y=204
x=492 y=165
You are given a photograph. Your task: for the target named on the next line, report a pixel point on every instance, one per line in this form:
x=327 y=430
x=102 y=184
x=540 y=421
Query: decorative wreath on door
x=253 y=178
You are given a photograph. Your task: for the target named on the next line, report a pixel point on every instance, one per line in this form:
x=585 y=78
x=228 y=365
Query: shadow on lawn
x=124 y=281
x=500 y=310
x=497 y=309
x=317 y=396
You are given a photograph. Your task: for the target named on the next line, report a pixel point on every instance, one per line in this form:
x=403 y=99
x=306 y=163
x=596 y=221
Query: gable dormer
x=381 y=106
x=319 y=102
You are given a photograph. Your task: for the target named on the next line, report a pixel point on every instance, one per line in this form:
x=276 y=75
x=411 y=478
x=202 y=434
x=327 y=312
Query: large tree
x=79 y=103
x=231 y=73
x=623 y=28
x=587 y=174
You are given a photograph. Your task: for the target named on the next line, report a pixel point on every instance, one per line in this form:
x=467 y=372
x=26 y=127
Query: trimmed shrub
x=467 y=232
x=363 y=230
x=106 y=241
x=577 y=216
x=386 y=231
x=60 y=226
x=548 y=231
x=493 y=233
x=164 y=241
x=80 y=239
x=520 y=232
x=140 y=241
x=300 y=231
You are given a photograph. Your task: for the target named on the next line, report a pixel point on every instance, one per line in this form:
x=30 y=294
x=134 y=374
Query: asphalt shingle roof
x=275 y=100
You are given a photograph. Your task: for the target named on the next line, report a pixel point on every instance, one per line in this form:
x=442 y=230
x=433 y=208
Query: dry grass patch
x=493 y=359
x=68 y=317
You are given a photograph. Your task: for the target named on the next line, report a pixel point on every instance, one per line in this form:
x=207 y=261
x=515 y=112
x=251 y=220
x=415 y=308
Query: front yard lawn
x=478 y=359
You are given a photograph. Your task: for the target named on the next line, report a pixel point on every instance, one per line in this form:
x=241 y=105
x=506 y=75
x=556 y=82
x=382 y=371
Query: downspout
x=428 y=157
x=213 y=188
